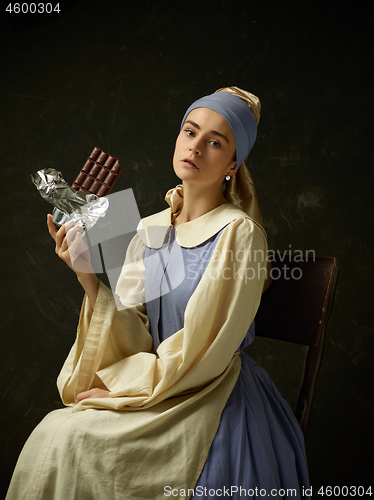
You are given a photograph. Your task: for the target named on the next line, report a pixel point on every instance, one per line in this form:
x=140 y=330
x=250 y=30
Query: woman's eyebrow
x=212 y=131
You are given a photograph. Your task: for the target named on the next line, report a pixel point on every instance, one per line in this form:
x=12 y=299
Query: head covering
x=237 y=114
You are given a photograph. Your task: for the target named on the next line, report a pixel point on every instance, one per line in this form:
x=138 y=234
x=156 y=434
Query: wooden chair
x=296 y=308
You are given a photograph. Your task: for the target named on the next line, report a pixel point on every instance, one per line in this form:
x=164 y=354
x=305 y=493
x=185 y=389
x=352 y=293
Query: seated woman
x=161 y=400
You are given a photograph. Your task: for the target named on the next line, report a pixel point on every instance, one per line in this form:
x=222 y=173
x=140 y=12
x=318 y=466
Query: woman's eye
x=216 y=144
x=189 y=133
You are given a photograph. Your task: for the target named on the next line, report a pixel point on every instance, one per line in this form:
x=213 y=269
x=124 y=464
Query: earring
x=228 y=177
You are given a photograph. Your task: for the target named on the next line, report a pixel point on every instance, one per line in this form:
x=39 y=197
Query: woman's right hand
x=70 y=246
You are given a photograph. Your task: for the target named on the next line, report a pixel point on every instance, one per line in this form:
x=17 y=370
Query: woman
x=183 y=412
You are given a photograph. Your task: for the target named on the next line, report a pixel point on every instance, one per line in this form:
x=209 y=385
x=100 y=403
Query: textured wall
x=119 y=75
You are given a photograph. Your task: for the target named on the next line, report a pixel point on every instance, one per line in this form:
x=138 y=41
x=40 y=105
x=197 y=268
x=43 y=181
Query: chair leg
x=305 y=400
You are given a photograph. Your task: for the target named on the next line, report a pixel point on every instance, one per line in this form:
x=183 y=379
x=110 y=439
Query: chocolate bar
x=99 y=173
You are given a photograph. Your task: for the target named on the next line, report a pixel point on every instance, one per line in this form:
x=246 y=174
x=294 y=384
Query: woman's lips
x=186 y=162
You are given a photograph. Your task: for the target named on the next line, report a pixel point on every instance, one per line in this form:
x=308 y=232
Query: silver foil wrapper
x=83 y=208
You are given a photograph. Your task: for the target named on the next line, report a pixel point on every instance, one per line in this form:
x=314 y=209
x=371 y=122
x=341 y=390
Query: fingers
x=92 y=393
x=64 y=236
x=82 y=395
x=51 y=227
x=78 y=251
x=60 y=235
x=70 y=246
x=71 y=234
x=57 y=235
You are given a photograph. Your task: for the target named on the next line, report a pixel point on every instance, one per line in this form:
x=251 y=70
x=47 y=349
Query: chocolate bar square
x=99 y=173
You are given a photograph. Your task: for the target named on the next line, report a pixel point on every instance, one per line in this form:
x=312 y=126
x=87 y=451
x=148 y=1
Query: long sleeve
x=217 y=317
x=117 y=328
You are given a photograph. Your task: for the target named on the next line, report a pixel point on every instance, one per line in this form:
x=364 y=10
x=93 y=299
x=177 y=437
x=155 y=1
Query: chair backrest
x=296 y=308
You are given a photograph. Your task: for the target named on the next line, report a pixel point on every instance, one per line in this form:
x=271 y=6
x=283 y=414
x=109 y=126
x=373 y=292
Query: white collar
x=152 y=230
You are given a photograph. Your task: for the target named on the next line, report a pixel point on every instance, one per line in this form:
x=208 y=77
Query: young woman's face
x=205 y=148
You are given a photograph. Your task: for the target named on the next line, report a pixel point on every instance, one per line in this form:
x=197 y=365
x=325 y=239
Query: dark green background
x=119 y=75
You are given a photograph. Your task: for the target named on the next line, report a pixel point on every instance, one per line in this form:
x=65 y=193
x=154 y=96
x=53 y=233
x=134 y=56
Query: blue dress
x=259 y=443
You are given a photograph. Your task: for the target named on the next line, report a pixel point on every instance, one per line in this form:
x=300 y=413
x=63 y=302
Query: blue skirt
x=258 y=445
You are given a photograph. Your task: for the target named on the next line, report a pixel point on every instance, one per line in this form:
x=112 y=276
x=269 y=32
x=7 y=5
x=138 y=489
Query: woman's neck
x=197 y=201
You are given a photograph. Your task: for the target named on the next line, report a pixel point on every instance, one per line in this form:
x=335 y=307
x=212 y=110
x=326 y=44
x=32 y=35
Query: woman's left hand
x=92 y=393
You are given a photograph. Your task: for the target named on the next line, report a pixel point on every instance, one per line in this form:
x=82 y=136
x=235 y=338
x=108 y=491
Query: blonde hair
x=250 y=99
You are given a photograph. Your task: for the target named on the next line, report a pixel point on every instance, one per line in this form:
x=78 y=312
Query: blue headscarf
x=237 y=114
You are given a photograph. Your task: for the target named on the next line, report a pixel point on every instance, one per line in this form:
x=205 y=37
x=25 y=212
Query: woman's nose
x=195 y=147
